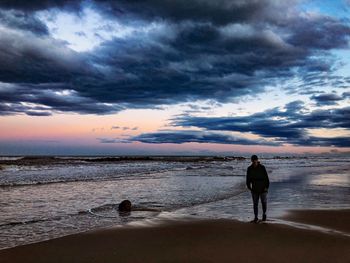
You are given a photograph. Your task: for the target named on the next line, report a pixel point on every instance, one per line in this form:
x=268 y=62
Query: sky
x=103 y=77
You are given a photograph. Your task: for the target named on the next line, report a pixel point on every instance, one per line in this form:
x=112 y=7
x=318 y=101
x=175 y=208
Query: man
x=258 y=183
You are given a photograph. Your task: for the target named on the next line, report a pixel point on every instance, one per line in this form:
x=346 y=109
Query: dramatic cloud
x=218 y=12
x=184 y=136
x=290 y=125
x=175 y=51
x=29 y=59
x=346 y=94
x=37 y=5
x=50 y=97
x=326 y=99
x=23 y=21
x=293 y=124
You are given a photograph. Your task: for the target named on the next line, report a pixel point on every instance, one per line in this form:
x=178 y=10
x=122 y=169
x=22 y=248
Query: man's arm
x=248 y=180
x=267 y=181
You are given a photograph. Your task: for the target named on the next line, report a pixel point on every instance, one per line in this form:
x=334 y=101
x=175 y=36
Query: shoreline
x=61 y=159
x=199 y=240
x=336 y=219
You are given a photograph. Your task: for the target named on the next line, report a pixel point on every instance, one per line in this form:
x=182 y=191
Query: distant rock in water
x=125 y=206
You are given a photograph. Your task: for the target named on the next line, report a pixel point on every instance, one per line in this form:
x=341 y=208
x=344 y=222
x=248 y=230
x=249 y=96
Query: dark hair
x=254 y=157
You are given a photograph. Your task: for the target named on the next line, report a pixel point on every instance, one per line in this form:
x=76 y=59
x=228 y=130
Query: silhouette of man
x=258 y=183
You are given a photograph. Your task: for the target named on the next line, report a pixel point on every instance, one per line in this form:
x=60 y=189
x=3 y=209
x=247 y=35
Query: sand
x=194 y=241
x=334 y=219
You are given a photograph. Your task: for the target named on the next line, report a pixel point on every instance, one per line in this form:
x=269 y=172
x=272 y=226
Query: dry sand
x=196 y=241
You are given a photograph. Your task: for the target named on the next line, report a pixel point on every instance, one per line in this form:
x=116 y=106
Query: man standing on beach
x=258 y=183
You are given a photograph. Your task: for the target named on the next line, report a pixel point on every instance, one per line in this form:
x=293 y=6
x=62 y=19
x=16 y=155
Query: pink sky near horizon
x=75 y=130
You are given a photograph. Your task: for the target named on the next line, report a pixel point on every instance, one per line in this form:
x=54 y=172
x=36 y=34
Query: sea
x=43 y=198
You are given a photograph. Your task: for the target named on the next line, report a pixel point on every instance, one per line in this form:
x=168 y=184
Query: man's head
x=254 y=159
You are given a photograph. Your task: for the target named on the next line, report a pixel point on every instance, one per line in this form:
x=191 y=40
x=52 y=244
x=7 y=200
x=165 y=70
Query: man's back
x=257 y=178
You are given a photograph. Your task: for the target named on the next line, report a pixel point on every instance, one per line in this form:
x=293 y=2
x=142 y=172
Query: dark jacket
x=257 y=179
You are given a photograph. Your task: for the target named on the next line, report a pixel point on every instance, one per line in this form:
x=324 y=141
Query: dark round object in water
x=125 y=206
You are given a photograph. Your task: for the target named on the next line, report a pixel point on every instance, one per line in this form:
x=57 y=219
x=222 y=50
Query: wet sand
x=197 y=241
x=333 y=219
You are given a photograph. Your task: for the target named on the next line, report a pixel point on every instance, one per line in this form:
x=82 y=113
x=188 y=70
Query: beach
x=332 y=219
x=44 y=198
x=64 y=209
x=174 y=131
x=220 y=240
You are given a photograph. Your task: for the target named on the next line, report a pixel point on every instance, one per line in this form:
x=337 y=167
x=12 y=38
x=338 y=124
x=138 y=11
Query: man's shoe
x=264 y=218
x=256 y=220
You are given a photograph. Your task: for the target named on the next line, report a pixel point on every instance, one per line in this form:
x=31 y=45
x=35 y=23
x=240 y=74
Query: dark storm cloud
x=218 y=12
x=38 y=113
x=26 y=58
x=326 y=99
x=199 y=49
x=179 y=137
x=12 y=108
x=24 y=21
x=310 y=33
x=201 y=61
x=321 y=141
x=52 y=97
x=31 y=6
x=288 y=125
x=164 y=74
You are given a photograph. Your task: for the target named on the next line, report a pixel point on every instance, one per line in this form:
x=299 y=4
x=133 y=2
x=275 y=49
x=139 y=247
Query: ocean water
x=46 y=198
